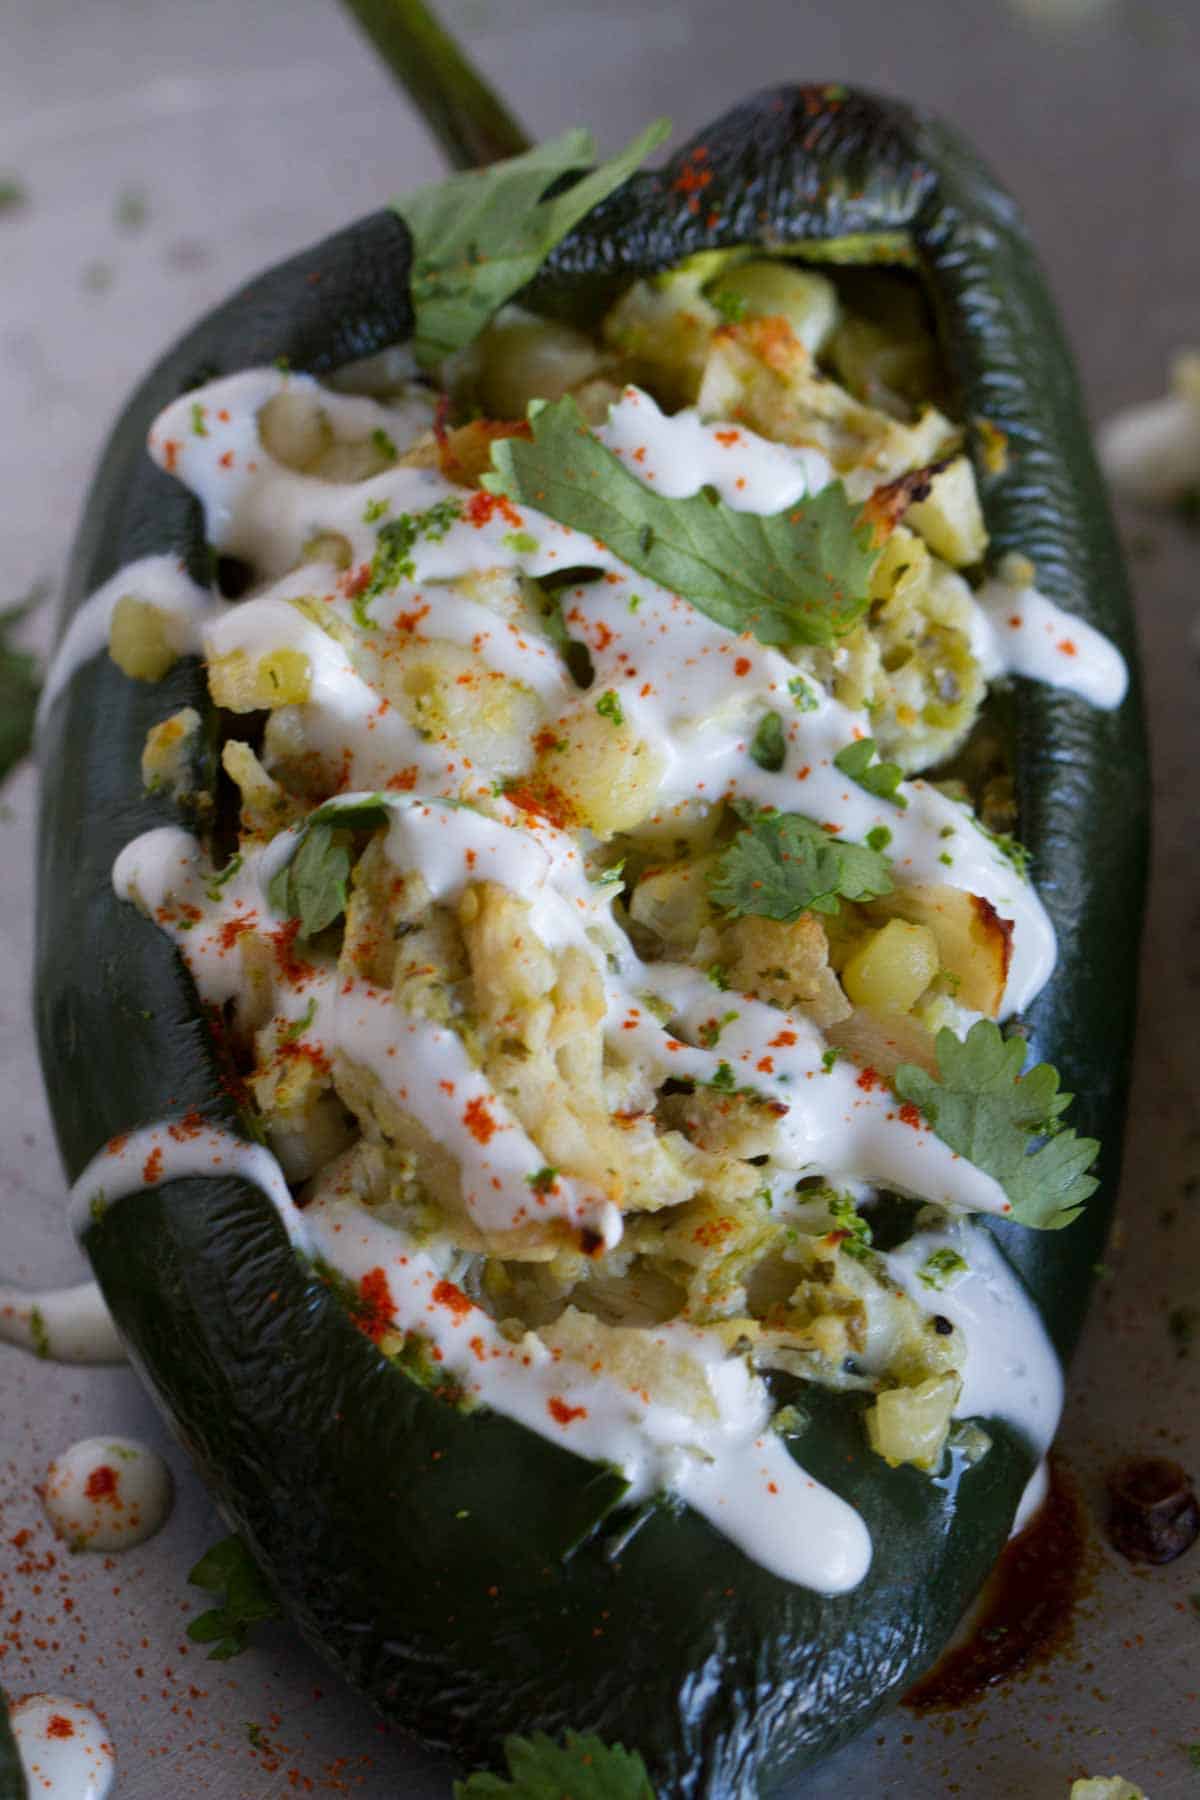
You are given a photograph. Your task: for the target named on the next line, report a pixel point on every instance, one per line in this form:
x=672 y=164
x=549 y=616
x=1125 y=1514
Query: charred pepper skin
x=13 y=1785
x=472 y=1578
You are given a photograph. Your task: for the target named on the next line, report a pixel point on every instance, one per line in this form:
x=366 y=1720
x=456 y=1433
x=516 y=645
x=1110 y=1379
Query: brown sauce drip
x=1025 y=1611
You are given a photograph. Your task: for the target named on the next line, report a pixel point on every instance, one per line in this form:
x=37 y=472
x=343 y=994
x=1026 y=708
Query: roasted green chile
x=472 y=1578
x=13 y=1785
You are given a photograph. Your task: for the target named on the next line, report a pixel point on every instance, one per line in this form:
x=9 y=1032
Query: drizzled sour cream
x=65 y=1749
x=107 y=1493
x=692 y=691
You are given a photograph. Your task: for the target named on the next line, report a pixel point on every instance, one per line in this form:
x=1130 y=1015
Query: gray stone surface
x=248 y=131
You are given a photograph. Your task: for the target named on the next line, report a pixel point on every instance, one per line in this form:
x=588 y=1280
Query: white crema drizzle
x=693 y=692
x=66 y=1325
x=730 y=1466
x=65 y=1749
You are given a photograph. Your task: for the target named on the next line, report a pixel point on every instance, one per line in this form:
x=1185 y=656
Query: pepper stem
x=469 y=120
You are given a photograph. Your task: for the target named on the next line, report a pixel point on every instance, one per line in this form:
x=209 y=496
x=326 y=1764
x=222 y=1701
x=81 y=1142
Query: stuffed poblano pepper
x=611 y=826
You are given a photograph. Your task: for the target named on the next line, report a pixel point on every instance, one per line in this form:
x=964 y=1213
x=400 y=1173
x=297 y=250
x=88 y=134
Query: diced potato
x=785 y=964
x=294 y=427
x=779 y=289
x=140 y=639
x=266 y=807
x=242 y=683
x=636 y=1359
x=448 y=693
x=882 y=369
x=912 y=664
x=672 y=906
x=521 y=357
x=607 y=776
x=169 y=750
x=662 y=329
x=512 y=970
x=883 y=1044
x=951 y=519
x=305 y=1141
x=761 y=374
x=909 y=1424
x=974 y=943
x=729 y=1123
x=891 y=970
x=357 y=459
x=328 y=547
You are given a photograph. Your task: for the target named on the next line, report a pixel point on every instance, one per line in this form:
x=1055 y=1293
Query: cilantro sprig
x=582 y=1767
x=781 y=865
x=800 y=576
x=311 y=886
x=1007 y=1120
x=880 y=778
x=229 y=1569
x=479 y=236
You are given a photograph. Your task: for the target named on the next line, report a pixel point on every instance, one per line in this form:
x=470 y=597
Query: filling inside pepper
x=612 y=978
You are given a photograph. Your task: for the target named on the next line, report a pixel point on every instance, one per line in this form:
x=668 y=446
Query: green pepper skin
x=13 y=1785
x=472 y=1578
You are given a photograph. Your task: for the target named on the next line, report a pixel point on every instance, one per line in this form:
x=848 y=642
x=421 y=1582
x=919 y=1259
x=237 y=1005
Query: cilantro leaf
x=782 y=865
x=311 y=886
x=879 y=778
x=229 y=1568
x=582 y=1767
x=367 y=813
x=768 y=747
x=799 y=576
x=479 y=236
x=1006 y=1120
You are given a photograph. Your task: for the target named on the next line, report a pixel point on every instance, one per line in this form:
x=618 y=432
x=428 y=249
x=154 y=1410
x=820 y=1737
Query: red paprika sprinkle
x=453 y=1299
x=482 y=507
x=152 y=1167
x=478 y=1120
x=373 y=1314
x=869 y=1079
x=563 y=1414
x=58 y=1727
x=101 y=1484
